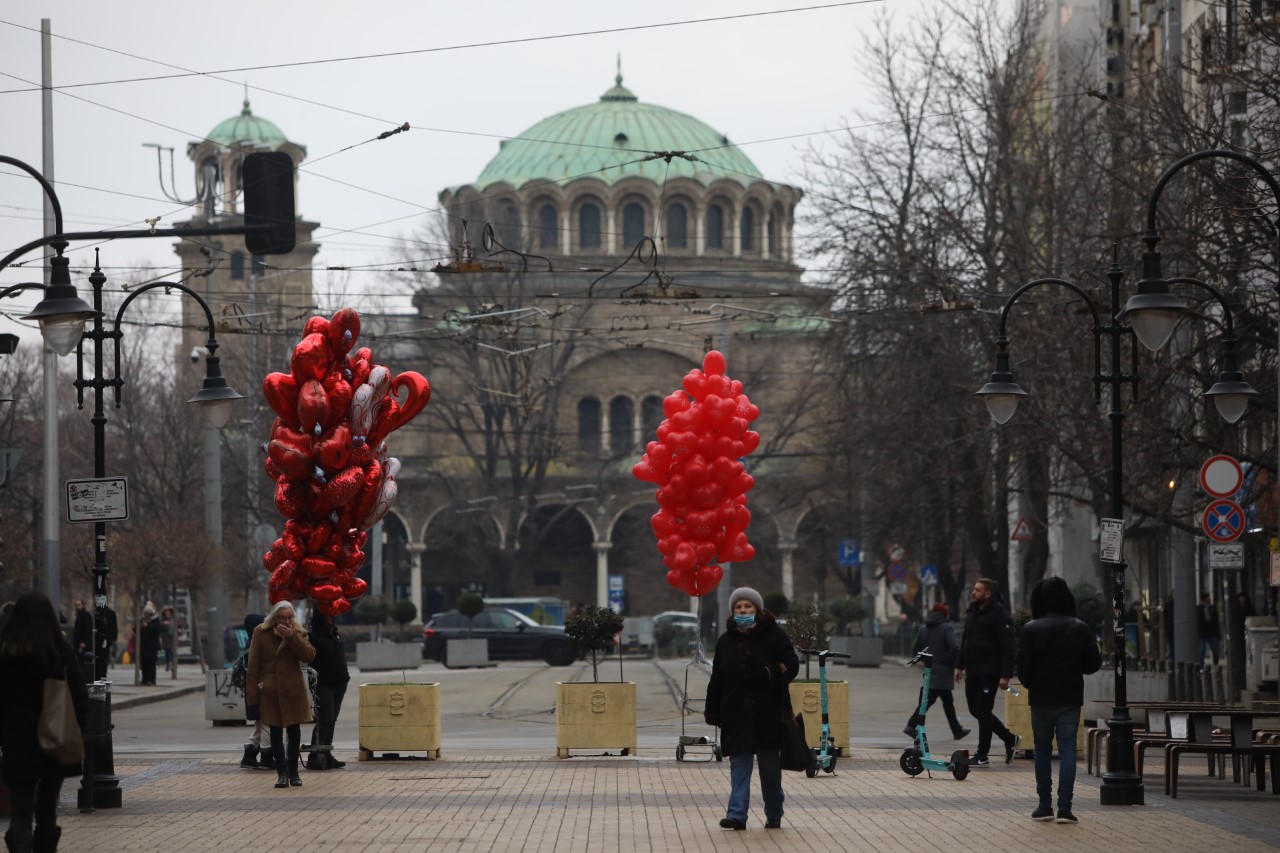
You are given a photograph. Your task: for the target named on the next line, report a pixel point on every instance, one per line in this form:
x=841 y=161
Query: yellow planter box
x=806 y=700
x=399 y=718
x=595 y=716
x=1017 y=719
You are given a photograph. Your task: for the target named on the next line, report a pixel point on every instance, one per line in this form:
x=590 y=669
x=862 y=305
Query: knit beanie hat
x=746 y=593
x=941 y=608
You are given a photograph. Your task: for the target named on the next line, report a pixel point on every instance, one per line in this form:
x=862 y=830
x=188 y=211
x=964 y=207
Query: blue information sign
x=850 y=553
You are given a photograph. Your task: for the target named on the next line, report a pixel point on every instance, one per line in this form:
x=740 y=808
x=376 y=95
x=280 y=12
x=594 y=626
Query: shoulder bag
x=59 y=730
x=796 y=754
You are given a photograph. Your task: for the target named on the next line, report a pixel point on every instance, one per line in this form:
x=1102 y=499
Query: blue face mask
x=744 y=620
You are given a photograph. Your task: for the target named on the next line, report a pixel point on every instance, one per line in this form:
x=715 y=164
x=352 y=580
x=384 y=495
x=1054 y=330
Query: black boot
x=250 y=760
x=316 y=760
x=282 y=780
x=294 y=779
x=18 y=842
x=266 y=760
x=333 y=763
x=45 y=839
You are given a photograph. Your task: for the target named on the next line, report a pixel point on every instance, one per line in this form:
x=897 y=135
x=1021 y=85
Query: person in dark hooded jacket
x=986 y=658
x=938 y=638
x=33 y=649
x=1056 y=653
x=748 y=693
x=257 y=750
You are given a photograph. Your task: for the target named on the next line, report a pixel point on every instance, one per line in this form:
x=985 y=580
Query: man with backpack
x=257 y=750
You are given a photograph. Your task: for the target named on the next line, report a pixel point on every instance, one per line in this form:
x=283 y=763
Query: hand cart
x=696 y=747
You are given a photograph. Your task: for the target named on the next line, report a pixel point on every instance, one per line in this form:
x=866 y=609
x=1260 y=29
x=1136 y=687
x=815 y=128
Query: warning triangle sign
x=1022 y=532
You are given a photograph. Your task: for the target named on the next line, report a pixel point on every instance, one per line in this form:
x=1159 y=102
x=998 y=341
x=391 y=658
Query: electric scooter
x=826 y=753
x=917 y=759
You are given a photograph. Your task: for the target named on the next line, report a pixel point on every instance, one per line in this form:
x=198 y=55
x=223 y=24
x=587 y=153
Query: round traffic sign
x=1223 y=521
x=897 y=572
x=1221 y=476
x=897 y=552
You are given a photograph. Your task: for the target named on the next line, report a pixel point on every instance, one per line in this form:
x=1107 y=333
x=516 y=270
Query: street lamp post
x=62 y=316
x=1121 y=785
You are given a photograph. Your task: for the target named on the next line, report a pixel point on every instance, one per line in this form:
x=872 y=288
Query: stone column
x=787 y=550
x=602 y=572
x=415 y=551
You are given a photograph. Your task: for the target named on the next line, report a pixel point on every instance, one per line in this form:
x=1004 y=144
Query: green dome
x=247 y=127
x=602 y=140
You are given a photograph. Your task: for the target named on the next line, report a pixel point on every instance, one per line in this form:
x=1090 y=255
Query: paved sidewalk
x=485 y=799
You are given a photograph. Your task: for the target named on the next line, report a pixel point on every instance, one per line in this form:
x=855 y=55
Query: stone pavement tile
x=494 y=801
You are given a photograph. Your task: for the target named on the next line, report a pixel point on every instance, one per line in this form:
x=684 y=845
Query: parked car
x=511 y=636
x=677 y=619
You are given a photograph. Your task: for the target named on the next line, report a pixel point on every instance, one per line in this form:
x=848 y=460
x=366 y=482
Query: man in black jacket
x=986 y=656
x=1056 y=653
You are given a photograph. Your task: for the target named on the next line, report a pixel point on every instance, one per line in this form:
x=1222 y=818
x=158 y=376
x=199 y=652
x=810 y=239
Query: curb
x=147 y=699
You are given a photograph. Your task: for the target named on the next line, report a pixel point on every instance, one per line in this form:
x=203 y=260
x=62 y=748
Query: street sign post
x=1221 y=476
x=1111 y=540
x=1226 y=555
x=849 y=553
x=928 y=575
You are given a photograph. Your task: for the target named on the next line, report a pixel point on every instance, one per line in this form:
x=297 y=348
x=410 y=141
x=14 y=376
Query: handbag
x=59 y=730
x=796 y=754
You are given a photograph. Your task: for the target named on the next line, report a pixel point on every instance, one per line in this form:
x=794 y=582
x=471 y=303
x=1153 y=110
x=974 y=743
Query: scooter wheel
x=830 y=766
x=680 y=752
x=910 y=762
x=959 y=765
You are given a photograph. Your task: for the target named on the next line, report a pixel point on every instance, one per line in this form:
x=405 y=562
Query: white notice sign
x=97 y=500
x=1226 y=555
x=1111 y=539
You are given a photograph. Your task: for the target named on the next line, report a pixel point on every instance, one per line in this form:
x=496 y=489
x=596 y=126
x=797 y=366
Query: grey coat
x=938 y=637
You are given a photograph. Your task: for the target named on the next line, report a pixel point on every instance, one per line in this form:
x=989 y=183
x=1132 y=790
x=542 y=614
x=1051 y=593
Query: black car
x=511 y=635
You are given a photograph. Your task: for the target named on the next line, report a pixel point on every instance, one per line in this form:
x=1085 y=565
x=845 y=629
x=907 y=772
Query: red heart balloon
x=344 y=328
x=281 y=393
x=310 y=358
x=416 y=392
x=713 y=363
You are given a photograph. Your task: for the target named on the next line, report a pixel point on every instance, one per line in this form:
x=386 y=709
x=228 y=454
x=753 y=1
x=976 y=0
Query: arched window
x=548 y=227
x=589 y=226
x=748 y=229
x=677 y=226
x=589 y=424
x=715 y=227
x=651 y=416
x=632 y=226
x=509 y=228
x=771 y=235
x=620 y=414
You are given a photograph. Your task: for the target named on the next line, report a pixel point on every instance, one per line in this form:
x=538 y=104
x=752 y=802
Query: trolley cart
x=704 y=746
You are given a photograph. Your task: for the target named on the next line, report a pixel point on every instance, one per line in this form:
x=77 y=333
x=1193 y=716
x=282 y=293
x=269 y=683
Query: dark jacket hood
x=934 y=619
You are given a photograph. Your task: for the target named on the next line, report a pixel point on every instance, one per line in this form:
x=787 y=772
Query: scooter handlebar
x=823 y=653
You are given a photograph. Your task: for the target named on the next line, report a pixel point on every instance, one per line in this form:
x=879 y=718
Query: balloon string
x=699 y=652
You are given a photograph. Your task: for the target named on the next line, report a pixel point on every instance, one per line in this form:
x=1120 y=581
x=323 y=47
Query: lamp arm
x=15 y=289
x=1229 y=324
x=44 y=185
x=1202 y=155
x=115 y=334
x=1093 y=309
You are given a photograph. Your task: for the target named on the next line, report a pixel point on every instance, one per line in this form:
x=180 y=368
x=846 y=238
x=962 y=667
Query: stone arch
x=819 y=530
x=460 y=547
x=556 y=551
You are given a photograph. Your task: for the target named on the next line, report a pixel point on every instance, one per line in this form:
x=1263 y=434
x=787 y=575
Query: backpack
x=240 y=671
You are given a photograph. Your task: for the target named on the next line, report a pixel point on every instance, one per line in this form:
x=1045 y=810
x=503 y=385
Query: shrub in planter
x=591 y=631
x=469 y=605
x=846 y=612
x=403 y=612
x=808 y=628
x=776 y=603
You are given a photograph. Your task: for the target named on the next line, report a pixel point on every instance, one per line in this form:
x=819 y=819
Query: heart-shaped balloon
x=310 y=358
x=413 y=392
x=281 y=393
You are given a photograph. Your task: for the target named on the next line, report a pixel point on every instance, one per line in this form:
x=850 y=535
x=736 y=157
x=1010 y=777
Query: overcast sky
x=752 y=78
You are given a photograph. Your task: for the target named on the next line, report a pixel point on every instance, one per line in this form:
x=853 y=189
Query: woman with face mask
x=753 y=665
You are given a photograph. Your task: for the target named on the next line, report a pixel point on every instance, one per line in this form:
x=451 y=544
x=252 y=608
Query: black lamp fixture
x=1002 y=394
x=61 y=313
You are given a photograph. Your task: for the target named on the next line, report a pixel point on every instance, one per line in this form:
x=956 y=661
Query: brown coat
x=275 y=679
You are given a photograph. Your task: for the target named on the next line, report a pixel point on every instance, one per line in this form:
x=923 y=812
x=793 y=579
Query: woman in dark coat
x=938 y=638
x=332 y=676
x=32 y=649
x=747 y=696
x=276 y=684
x=148 y=643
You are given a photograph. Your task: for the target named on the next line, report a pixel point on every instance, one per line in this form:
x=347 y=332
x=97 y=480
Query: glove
x=252 y=712
x=758 y=675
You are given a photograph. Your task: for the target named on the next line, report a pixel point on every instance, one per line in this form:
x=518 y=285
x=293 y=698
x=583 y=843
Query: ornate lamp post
x=1121 y=785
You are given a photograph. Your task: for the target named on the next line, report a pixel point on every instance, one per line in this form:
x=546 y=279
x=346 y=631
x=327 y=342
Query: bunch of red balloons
x=334 y=479
x=703 y=486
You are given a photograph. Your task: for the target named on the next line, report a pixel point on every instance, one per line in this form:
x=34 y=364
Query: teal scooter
x=826 y=753
x=917 y=759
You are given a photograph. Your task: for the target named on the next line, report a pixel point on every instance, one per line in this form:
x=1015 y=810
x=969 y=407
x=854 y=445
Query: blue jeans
x=1062 y=721
x=770 y=761
x=1209 y=645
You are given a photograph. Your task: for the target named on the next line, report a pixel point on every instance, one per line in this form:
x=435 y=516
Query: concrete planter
x=461 y=653
x=806 y=700
x=375 y=656
x=595 y=716
x=223 y=701
x=863 y=651
x=398 y=718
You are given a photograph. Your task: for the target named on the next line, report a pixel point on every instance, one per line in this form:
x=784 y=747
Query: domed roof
x=609 y=139
x=247 y=128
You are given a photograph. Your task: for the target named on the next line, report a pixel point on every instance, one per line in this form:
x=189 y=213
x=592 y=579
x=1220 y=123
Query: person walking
x=148 y=643
x=986 y=656
x=1207 y=627
x=938 y=638
x=82 y=639
x=33 y=649
x=167 y=626
x=1056 y=653
x=746 y=698
x=277 y=687
x=257 y=749
x=332 y=676
x=107 y=631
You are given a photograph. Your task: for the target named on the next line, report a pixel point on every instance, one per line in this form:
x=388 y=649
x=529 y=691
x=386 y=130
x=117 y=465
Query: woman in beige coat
x=277 y=687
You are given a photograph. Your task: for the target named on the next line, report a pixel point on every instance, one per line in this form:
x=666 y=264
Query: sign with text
x=1111 y=539
x=1226 y=555
x=97 y=500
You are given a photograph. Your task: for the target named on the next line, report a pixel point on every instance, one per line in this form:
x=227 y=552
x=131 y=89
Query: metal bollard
x=100 y=787
x=1219 y=687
